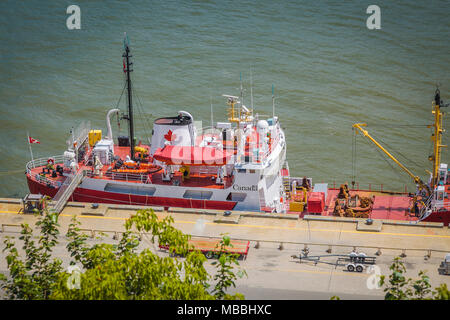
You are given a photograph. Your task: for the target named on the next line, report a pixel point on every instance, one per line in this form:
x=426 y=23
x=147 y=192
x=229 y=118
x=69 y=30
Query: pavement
x=272 y=272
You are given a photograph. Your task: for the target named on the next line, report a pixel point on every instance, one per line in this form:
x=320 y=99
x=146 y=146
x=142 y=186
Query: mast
x=242 y=96
x=437 y=137
x=212 y=122
x=273 y=105
x=128 y=63
x=251 y=91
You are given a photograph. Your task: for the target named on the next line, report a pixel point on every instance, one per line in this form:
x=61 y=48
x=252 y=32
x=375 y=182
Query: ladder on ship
x=66 y=190
x=287 y=187
x=286 y=181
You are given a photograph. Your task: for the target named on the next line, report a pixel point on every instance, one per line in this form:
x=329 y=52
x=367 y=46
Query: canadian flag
x=31 y=140
x=170 y=136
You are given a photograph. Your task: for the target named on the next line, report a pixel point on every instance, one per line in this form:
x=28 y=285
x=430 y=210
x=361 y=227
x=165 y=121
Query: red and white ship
x=235 y=165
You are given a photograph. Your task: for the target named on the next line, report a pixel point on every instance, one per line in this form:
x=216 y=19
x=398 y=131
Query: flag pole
x=31 y=151
x=273 y=105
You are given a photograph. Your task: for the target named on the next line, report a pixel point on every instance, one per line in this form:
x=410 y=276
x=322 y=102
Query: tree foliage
x=32 y=278
x=118 y=271
x=398 y=287
x=225 y=276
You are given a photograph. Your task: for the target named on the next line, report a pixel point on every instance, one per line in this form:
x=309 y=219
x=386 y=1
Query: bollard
x=305 y=250
x=328 y=250
x=115 y=236
x=281 y=247
x=403 y=255
x=257 y=245
x=428 y=255
x=378 y=253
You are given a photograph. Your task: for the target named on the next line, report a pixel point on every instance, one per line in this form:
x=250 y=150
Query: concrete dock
x=272 y=272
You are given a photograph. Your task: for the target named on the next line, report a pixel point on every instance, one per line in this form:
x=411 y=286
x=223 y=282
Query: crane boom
x=416 y=179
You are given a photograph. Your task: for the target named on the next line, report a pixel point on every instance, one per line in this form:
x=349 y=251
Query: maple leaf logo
x=170 y=136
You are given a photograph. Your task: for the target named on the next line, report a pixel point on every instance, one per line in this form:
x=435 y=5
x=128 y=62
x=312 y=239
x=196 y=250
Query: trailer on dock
x=353 y=261
x=210 y=247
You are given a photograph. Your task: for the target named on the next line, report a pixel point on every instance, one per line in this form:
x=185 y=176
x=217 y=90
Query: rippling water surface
x=328 y=69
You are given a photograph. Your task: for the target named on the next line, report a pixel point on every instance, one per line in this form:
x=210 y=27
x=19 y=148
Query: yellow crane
x=437 y=136
x=417 y=180
x=437 y=142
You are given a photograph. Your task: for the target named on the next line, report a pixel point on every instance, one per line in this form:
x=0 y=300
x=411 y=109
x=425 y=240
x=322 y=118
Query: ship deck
x=387 y=206
x=196 y=180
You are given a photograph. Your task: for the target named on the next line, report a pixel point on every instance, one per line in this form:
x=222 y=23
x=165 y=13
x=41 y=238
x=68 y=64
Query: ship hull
x=96 y=196
x=439 y=216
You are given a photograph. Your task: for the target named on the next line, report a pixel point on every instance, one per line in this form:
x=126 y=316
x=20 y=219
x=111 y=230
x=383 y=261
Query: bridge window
x=196 y=194
x=236 y=196
x=143 y=191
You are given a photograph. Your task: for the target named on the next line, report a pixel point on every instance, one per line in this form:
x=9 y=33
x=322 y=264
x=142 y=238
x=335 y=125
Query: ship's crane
x=437 y=142
x=437 y=136
x=436 y=176
x=417 y=180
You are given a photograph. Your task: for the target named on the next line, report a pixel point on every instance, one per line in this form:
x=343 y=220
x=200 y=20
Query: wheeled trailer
x=353 y=261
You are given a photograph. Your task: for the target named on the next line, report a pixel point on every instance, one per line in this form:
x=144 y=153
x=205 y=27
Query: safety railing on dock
x=302 y=246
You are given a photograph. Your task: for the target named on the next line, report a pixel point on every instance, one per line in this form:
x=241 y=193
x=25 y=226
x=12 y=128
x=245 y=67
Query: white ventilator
x=108 y=123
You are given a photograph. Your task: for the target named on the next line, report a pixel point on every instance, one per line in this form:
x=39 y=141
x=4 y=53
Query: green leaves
x=225 y=275
x=115 y=271
x=121 y=272
x=401 y=288
x=33 y=277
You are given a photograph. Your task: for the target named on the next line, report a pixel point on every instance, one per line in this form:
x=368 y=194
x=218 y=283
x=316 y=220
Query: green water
x=328 y=69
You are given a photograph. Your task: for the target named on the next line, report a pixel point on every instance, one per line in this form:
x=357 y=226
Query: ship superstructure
x=233 y=165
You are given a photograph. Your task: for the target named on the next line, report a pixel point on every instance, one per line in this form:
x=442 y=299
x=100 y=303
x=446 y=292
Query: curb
x=385 y=222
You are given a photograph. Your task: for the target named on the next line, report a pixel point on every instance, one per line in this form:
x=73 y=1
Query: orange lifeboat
x=132 y=167
x=131 y=170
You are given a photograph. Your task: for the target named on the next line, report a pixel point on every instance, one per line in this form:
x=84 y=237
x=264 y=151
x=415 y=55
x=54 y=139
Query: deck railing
x=43 y=162
x=371 y=187
x=122 y=176
x=79 y=134
x=142 y=178
x=48 y=182
x=273 y=144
